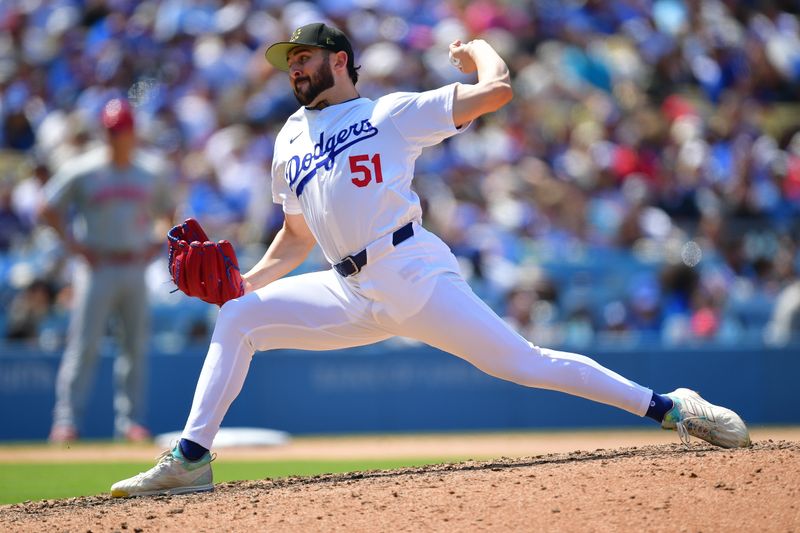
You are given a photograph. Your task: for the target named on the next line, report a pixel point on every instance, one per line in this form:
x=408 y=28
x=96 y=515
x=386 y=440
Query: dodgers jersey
x=348 y=168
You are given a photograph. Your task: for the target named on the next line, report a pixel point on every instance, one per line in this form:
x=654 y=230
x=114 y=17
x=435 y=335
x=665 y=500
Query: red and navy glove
x=202 y=268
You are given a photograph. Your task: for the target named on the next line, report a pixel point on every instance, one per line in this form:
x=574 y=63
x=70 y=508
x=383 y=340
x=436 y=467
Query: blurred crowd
x=644 y=183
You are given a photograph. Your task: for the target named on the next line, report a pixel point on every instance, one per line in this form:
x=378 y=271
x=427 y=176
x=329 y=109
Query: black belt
x=352 y=264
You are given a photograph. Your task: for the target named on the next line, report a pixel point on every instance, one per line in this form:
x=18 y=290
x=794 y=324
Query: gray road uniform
x=111 y=211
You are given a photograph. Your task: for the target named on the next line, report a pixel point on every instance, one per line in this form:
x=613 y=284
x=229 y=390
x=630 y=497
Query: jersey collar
x=333 y=105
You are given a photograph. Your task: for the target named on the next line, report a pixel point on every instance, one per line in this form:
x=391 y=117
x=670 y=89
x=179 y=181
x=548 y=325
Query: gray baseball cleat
x=173 y=474
x=692 y=415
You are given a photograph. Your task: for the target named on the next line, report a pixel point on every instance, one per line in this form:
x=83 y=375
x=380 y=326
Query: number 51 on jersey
x=366 y=166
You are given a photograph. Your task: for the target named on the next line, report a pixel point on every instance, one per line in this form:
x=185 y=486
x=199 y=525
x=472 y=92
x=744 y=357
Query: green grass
x=39 y=481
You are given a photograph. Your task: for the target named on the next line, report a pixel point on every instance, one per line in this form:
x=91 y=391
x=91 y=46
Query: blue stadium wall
x=386 y=388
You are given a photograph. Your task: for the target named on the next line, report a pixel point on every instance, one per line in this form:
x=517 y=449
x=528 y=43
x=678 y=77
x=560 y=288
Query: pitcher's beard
x=315 y=84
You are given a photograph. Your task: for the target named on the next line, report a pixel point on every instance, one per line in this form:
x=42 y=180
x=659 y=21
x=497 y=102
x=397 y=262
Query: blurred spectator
x=643 y=305
x=17 y=131
x=29 y=309
x=28 y=194
x=12 y=226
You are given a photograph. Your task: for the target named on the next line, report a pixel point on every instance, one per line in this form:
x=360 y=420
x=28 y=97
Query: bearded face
x=307 y=88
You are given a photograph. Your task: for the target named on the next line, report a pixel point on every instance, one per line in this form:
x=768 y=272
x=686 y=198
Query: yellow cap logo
x=295 y=35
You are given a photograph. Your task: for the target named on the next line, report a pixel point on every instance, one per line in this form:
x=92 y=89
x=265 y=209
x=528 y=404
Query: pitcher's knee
x=525 y=366
x=233 y=320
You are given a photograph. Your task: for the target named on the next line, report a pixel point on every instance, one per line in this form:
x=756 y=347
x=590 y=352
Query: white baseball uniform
x=348 y=169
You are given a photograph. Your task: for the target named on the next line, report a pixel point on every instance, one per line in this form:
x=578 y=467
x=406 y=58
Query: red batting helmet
x=117 y=115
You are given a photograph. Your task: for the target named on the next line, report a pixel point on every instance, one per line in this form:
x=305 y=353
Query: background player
x=115 y=195
x=342 y=171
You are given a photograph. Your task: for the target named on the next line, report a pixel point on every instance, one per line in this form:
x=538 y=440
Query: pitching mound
x=650 y=488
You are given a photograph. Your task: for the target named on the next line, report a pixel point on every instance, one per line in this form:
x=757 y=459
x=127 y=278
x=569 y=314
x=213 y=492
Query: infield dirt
x=663 y=487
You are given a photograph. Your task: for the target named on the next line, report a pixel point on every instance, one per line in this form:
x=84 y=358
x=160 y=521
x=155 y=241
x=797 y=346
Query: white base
x=232 y=437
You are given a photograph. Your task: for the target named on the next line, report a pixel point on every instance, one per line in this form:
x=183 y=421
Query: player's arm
x=52 y=216
x=290 y=247
x=493 y=88
x=164 y=207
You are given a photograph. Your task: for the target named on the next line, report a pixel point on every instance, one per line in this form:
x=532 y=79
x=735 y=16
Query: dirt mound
x=652 y=488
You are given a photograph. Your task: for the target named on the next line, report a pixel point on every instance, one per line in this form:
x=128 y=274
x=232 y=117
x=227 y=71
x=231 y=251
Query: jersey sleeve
x=425 y=118
x=281 y=193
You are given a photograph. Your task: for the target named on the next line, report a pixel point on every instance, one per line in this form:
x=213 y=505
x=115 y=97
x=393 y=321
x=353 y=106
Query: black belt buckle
x=351 y=262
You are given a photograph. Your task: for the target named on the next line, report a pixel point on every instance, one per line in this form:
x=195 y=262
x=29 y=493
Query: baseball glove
x=202 y=268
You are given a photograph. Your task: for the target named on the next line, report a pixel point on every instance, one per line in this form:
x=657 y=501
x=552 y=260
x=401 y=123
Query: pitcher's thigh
x=455 y=320
x=312 y=311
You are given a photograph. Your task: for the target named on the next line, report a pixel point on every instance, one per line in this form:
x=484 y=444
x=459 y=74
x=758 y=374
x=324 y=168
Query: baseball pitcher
x=342 y=172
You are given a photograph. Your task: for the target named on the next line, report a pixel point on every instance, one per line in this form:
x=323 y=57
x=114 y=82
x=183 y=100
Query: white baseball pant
x=413 y=291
